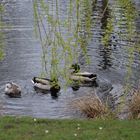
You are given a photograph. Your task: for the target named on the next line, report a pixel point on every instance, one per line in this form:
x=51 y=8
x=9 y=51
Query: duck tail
x=94 y=76
x=33 y=80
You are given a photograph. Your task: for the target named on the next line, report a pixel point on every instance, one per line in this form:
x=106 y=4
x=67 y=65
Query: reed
x=134 y=105
x=92 y=107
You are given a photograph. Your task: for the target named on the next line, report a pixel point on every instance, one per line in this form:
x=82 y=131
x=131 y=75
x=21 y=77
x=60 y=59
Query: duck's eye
x=8 y=86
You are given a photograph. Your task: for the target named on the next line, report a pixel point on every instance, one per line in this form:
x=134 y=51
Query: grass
x=25 y=128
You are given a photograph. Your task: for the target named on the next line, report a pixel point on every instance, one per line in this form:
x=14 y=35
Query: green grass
x=25 y=128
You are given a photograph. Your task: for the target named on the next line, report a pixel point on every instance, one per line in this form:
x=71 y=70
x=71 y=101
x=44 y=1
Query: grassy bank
x=14 y=128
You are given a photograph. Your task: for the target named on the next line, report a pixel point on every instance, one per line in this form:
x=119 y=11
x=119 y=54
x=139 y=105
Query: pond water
x=23 y=60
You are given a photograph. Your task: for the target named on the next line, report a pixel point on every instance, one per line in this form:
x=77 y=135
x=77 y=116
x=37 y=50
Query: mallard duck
x=13 y=90
x=82 y=77
x=45 y=85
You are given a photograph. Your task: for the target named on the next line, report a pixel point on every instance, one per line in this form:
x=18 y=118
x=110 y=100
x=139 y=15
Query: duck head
x=55 y=86
x=75 y=67
x=8 y=87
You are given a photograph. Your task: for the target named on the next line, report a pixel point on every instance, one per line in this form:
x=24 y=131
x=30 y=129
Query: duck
x=45 y=85
x=82 y=78
x=13 y=90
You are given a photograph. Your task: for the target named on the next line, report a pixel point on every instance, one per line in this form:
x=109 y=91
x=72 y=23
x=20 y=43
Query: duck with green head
x=82 y=78
x=45 y=85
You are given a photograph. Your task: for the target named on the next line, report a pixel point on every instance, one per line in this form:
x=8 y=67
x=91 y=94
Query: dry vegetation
x=134 y=105
x=92 y=107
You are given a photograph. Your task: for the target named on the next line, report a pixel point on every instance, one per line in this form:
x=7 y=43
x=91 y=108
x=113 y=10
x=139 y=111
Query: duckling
x=13 y=90
x=45 y=85
x=82 y=77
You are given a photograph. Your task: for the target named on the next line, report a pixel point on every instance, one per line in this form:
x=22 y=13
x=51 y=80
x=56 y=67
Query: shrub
x=134 y=105
x=92 y=107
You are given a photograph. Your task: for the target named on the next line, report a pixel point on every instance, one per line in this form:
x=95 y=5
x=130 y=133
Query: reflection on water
x=1 y=33
x=106 y=14
x=105 y=51
x=23 y=56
